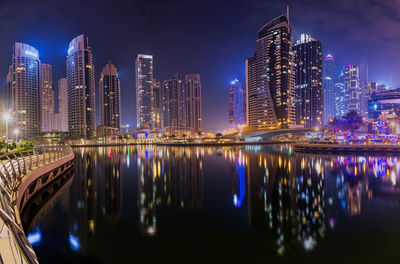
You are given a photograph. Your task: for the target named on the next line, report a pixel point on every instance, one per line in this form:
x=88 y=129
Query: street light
x=6 y=117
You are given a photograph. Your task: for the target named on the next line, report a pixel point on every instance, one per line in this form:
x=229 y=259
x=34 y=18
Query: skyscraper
x=309 y=93
x=23 y=90
x=329 y=77
x=173 y=105
x=110 y=97
x=236 y=104
x=63 y=104
x=271 y=94
x=156 y=106
x=339 y=101
x=352 y=97
x=46 y=98
x=144 y=93
x=193 y=102
x=80 y=85
x=365 y=95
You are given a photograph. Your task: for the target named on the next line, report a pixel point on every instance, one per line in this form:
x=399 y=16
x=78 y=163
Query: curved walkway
x=17 y=173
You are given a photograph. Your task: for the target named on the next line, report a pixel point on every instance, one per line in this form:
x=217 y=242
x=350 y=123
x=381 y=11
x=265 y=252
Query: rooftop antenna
x=287 y=12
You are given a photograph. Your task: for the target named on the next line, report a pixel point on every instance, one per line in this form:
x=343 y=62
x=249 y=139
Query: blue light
x=74 y=242
x=70 y=49
x=34 y=237
x=32 y=54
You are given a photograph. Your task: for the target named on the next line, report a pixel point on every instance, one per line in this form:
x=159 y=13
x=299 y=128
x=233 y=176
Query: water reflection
x=293 y=200
x=168 y=177
x=295 y=196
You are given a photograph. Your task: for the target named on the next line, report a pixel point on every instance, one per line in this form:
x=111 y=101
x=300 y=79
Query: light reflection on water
x=293 y=200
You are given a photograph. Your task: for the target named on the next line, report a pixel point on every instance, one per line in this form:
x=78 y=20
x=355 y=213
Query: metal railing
x=13 y=168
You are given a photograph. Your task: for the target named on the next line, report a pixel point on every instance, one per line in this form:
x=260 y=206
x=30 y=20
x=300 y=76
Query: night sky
x=212 y=38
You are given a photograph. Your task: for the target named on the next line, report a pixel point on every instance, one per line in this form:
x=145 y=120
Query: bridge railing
x=13 y=168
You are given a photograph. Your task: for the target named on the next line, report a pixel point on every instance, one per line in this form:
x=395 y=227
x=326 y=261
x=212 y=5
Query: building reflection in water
x=167 y=177
x=296 y=196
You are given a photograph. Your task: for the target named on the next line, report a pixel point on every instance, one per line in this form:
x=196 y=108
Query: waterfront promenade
x=346 y=149
x=22 y=175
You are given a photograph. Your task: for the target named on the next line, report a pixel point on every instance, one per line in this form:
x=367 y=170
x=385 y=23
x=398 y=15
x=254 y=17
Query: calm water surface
x=150 y=204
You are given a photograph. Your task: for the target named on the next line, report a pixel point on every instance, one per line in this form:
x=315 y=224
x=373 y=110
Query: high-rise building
x=173 y=105
x=329 y=78
x=63 y=104
x=80 y=85
x=144 y=92
x=236 y=104
x=271 y=93
x=353 y=93
x=23 y=90
x=365 y=95
x=156 y=106
x=339 y=94
x=110 y=97
x=193 y=102
x=309 y=93
x=46 y=98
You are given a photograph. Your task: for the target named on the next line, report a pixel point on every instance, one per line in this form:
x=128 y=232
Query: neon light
x=74 y=242
x=32 y=53
x=70 y=49
x=34 y=237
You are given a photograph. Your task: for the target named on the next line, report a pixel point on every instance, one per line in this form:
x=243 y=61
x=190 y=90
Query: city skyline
x=191 y=56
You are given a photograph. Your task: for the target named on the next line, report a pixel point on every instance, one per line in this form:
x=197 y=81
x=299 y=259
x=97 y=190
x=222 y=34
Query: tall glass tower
x=80 y=86
x=329 y=87
x=144 y=90
x=309 y=93
x=23 y=85
x=46 y=98
x=353 y=94
x=236 y=104
x=193 y=102
x=271 y=99
x=110 y=97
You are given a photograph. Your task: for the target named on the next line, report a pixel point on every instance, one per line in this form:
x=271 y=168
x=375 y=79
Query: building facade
x=63 y=104
x=110 y=97
x=365 y=94
x=193 y=102
x=309 y=92
x=329 y=79
x=156 y=106
x=236 y=105
x=23 y=86
x=173 y=105
x=271 y=92
x=144 y=90
x=81 y=90
x=353 y=93
x=46 y=98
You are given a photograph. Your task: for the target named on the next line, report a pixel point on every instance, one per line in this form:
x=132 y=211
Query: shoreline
x=194 y=144
x=345 y=149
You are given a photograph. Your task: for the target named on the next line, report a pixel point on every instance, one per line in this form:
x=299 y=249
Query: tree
x=335 y=124
x=26 y=144
x=352 y=121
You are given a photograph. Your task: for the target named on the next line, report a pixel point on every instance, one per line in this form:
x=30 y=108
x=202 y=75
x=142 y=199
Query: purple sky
x=212 y=38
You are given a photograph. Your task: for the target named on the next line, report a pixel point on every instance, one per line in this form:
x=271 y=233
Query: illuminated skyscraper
x=309 y=93
x=63 y=104
x=236 y=104
x=80 y=85
x=144 y=92
x=173 y=105
x=271 y=94
x=110 y=97
x=46 y=98
x=156 y=106
x=23 y=90
x=352 y=97
x=193 y=102
x=329 y=87
x=365 y=95
x=340 y=105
